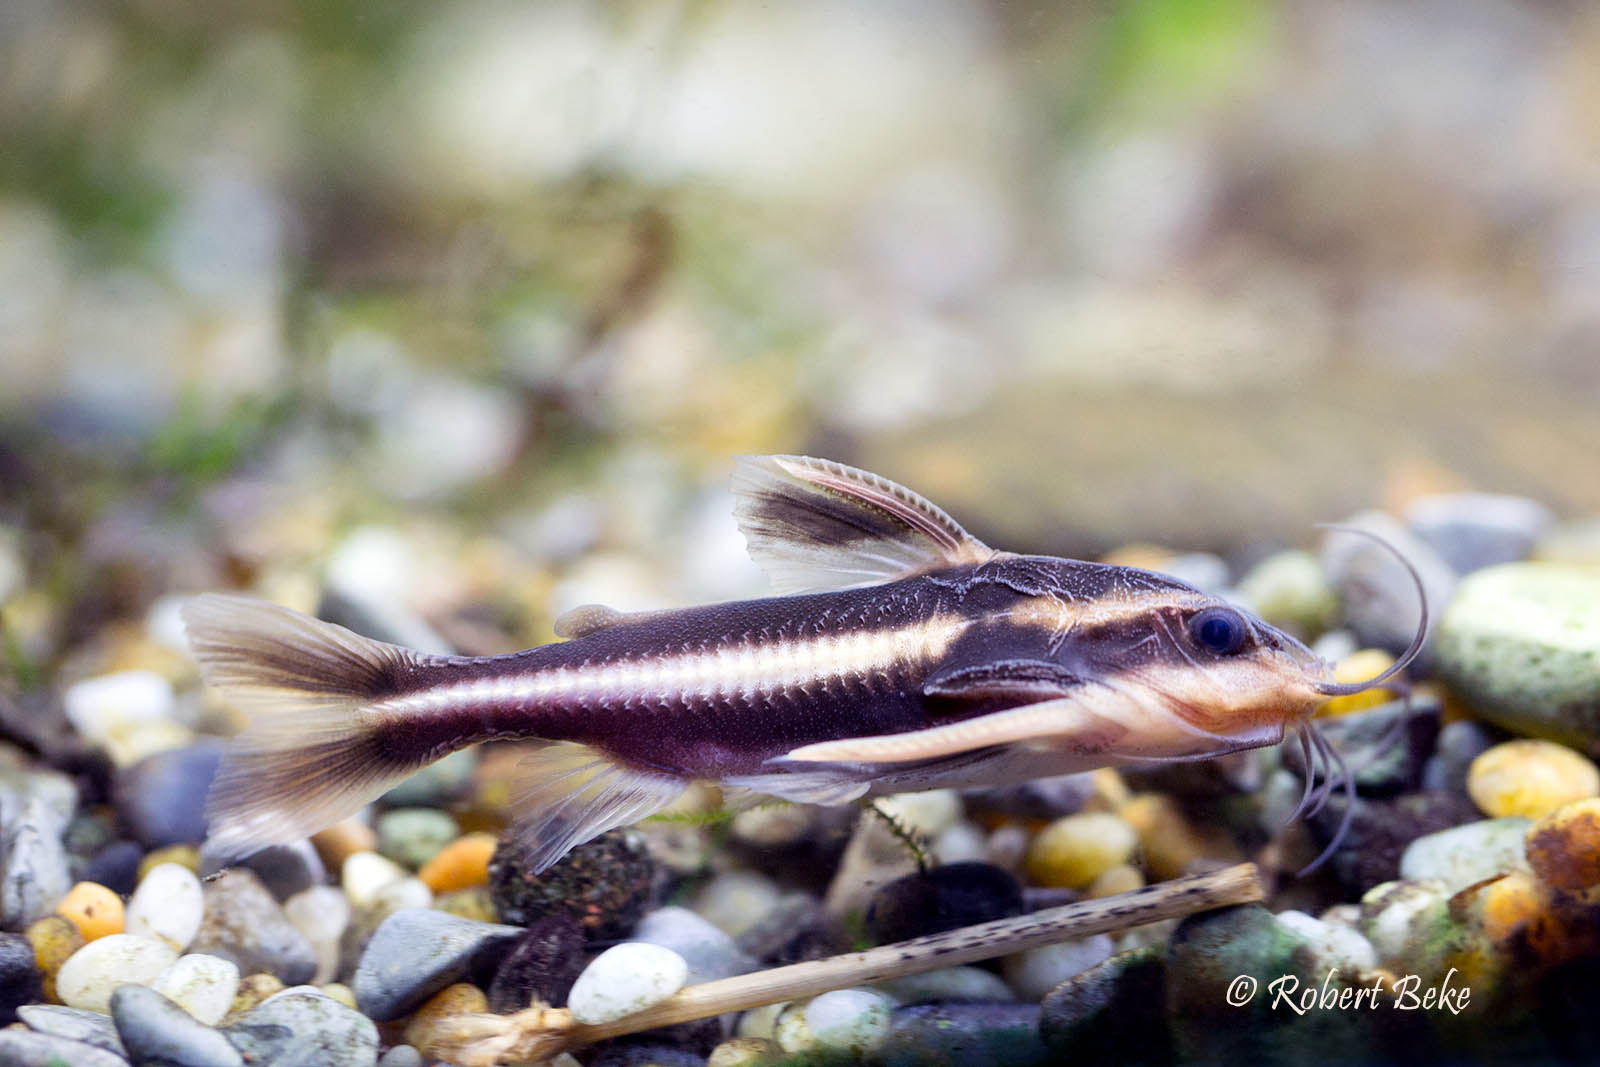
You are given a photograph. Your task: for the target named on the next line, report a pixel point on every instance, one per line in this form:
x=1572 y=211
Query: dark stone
x=1385 y=754
x=284 y=869
x=419 y=951
x=1115 y=1012
x=1042 y=798
x=933 y=1035
x=116 y=866
x=945 y=898
x=161 y=798
x=605 y=885
x=542 y=965
x=19 y=976
x=244 y=923
x=635 y=1054
x=1381 y=829
x=158 y=1033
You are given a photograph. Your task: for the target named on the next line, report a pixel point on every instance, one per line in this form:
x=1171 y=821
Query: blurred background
x=468 y=306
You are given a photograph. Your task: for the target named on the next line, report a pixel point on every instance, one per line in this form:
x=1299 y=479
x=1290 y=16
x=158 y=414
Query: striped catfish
x=902 y=654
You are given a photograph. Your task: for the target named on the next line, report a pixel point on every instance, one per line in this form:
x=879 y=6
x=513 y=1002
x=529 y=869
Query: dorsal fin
x=585 y=619
x=816 y=525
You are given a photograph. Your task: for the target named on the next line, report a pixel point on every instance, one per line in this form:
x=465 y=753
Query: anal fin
x=569 y=793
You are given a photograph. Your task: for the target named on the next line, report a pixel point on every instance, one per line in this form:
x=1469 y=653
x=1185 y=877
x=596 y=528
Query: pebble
x=774 y=825
x=90 y=1027
x=961 y=842
x=244 y=923
x=168 y=904
x=1376 y=593
x=1394 y=914
x=1358 y=666
x=95 y=910
x=1169 y=841
x=1123 y=878
x=408 y=892
x=1384 y=756
x=300 y=1026
x=945 y=898
x=1290 y=590
x=542 y=965
x=158 y=797
x=95 y=970
x=1466 y=854
x=155 y=1030
x=417 y=951
x=474 y=903
x=462 y=864
x=948 y=985
x=796 y=928
x=736 y=901
x=253 y=990
x=204 y=986
x=651 y=1054
x=745 y=1052
x=790 y=1031
x=422 y=1031
x=1072 y=851
x=436 y=784
x=606 y=884
x=1530 y=778
x=1459 y=743
x=928 y=813
x=185 y=856
x=413 y=836
x=401 y=1056
x=321 y=914
x=1114 y=1012
x=33 y=864
x=1471 y=531
x=342 y=840
x=54 y=941
x=708 y=950
x=284 y=869
x=115 y=866
x=1041 y=798
x=1335 y=945
x=1563 y=848
x=365 y=874
x=854 y=1021
x=102 y=706
x=1520 y=644
x=933 y=1035
x=624 y=979
x=1038 y=970
x=20 y=980
x=26 y=1048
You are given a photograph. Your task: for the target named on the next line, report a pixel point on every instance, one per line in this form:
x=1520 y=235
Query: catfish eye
x=1220 y=631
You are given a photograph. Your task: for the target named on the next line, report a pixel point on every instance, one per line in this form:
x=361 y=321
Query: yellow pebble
x=745 y=1052
x=95 y=910
x=1170 y=841
x=1530 y=778
x=422 y=1032
x=1072 y=851
x=340 y=992
x=1122 y=878
x=54 y=938
x=1358 y=667
x=474 y=903
x=461 y=864
x=1564 y=847
x=342 y=840
x=253 y=989
x=183 y=855
x=1110 y=791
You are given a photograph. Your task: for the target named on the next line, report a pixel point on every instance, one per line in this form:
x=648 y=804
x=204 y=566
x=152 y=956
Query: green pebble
x=413 y=836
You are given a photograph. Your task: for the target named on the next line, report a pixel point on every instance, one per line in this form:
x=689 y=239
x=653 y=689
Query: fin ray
x=816 y=525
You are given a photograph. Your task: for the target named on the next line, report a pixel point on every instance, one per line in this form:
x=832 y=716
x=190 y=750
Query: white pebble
x=760 y=1022
x=961 y=842
x=625 y=979
x=1037 y=971
x=948 y=984
x=790 y=1031
x=168 y=905
x=929 y=813
x=202 y=985
x=90 y=974
x=321 y=913
x=852 y=1020
x=365 y=874
x=97 y=706
x=1336 y=946
x=408 y=892
x=737 y=900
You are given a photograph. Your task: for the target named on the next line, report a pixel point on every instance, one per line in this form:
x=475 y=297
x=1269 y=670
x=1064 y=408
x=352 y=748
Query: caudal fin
x=313 y=752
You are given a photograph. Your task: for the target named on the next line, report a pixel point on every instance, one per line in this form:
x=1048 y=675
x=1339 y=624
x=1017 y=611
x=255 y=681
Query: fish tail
x=315 y=751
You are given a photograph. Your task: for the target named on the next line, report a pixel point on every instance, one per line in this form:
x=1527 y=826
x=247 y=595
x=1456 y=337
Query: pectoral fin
x=816 y=525
x=1007 y=681
x=1065 y=724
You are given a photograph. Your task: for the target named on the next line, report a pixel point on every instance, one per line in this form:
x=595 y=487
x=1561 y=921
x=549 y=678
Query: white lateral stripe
x=744 y=668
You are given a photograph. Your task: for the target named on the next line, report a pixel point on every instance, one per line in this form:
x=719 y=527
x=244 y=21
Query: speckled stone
x=25 y=1048
x=1520 y=643
x=934 y=1035
x=245 y=924
x=417 y=952
x=413 y=836
x=1114 y=1012
x=299 y=1027
x=1563 y=848
x=855 y=1021
x=1466 y=854
x=90 y=1027
x=204 y=986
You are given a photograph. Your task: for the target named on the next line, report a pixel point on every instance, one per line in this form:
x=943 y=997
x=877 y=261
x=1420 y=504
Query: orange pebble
x=95 y=910
x=342 y=840
x=461 y=864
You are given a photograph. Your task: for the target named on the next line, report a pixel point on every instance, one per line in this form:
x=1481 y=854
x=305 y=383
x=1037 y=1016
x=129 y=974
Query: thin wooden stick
x=540 y=1032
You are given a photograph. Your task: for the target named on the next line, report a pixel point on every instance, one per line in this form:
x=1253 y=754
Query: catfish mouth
x=1315 y=748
